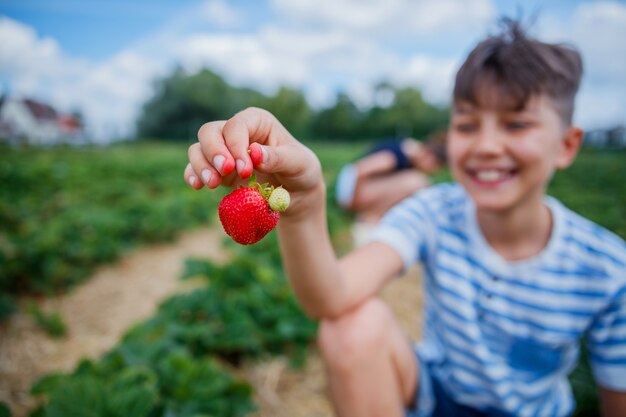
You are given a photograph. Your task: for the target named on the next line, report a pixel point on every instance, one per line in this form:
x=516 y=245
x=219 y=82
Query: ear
x=571 y=143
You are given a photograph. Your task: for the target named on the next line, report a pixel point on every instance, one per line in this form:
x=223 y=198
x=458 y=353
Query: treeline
x=183 y=102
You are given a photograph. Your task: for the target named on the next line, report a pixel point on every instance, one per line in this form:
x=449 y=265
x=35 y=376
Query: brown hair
x=506 y=70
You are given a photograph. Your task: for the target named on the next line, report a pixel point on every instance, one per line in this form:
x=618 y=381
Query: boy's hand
x=227 y=152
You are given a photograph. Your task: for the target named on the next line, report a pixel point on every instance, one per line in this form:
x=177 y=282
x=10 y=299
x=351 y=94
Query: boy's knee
x=356 y=335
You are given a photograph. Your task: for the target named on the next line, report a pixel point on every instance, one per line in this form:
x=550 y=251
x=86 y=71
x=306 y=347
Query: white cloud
x=433 y=76
x=22 y=51
x=112 y=92
x=389 y=16
x=597 y=30
x=275 y=57
x=221 y=14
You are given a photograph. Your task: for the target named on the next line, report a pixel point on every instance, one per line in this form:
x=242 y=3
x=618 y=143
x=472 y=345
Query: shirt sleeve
x=606 y=342
x=408 y=228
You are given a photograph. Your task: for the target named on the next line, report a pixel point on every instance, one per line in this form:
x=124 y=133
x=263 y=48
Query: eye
x=465 y=127
x=517 y=125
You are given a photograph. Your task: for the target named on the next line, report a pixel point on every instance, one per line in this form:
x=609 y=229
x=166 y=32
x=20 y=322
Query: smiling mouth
x=491 y=176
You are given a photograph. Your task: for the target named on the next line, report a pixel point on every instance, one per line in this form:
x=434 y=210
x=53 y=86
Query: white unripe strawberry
x=279 y=199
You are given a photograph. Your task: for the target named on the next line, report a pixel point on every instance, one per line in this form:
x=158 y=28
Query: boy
x=512 y=278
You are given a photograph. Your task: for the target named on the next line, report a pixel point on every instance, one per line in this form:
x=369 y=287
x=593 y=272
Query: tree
x=182 y=103
x=341 y=121
x=292 y=109
x=408 y=115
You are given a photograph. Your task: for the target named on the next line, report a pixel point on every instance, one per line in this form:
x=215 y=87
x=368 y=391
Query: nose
x=489 y=140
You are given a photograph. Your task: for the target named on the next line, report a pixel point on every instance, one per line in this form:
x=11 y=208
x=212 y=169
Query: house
x=26 y=121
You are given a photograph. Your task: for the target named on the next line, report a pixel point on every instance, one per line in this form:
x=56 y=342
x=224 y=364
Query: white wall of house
x=26 y=128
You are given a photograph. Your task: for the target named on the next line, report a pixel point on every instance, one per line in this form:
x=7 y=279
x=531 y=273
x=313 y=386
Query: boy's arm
x=613 y=402
x=324 y=286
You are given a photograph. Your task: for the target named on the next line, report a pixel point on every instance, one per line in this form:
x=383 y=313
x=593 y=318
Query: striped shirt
x=505 y=335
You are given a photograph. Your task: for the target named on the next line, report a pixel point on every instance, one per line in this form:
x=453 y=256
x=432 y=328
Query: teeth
x=490 y=175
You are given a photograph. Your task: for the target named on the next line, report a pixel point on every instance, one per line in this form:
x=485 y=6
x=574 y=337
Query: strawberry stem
x=264 y=189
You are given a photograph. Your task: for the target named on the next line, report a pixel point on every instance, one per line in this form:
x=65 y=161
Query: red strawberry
x=246 y=215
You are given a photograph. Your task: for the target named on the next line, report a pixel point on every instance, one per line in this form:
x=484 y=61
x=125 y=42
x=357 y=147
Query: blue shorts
x=432 y=399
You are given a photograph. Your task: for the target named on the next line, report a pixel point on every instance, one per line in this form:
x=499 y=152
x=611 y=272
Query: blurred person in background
x=390 y=171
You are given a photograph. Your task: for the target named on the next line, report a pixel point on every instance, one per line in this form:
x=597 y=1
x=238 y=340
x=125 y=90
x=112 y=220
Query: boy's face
x=504 y=158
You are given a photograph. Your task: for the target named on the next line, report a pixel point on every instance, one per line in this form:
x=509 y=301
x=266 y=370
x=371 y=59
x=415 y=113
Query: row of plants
x=65 y=211
x=181 y=361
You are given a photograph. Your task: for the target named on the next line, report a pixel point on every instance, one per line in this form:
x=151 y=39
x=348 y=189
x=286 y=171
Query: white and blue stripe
x=505 y=335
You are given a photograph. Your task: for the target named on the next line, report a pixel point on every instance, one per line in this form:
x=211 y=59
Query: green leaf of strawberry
x=246 y=214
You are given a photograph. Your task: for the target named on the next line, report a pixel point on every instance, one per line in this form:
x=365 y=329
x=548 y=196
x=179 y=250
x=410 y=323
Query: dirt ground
x=129 y=291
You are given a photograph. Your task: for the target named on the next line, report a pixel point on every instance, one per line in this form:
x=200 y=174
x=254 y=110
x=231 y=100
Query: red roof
x=40 y=111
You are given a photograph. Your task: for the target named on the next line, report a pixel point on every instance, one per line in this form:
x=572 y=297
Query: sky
x=102 y=56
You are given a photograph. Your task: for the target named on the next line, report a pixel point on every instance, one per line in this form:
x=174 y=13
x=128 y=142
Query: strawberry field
x=64 y=212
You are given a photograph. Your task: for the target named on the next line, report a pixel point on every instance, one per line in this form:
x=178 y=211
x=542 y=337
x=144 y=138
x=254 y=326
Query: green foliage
x=175 y=384
x=7 y=305
x=130 y=392
x=4 y=410
x=408 y=115
x=194 y=387
x=65 y=211
x=595 y=187
x=182 y=102
x=338 y=121
x=51 y=323
x=244 y=311
x=291 y=108
x=584 y=388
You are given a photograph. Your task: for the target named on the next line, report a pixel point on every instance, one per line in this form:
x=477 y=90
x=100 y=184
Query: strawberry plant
x=65 y=211
x=245 y=311
x=172 y=385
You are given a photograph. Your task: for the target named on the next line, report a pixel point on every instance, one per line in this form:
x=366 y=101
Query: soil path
x=96 y=313
x=117 y=296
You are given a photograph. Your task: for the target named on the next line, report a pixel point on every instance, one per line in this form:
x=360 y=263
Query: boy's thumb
x=274 y=159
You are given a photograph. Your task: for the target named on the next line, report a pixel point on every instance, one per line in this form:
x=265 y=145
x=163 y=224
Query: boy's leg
x=370 y=362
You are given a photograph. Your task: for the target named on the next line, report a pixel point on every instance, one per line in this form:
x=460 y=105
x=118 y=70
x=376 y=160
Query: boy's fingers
x=236 y=134
x=249 y=126
x=214 y=148
x=202 y=170
x=191 y=178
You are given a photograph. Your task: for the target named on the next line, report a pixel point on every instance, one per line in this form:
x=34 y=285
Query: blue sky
x=101 y=56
